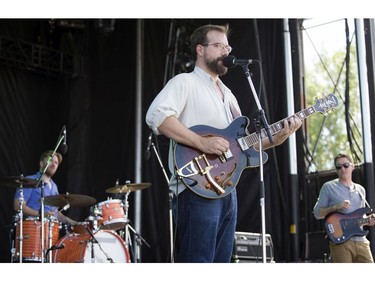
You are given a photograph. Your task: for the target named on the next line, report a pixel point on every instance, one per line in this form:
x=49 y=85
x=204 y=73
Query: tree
x=334 y=133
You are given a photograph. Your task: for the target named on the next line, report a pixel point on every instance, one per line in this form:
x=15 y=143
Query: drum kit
x=103 y=237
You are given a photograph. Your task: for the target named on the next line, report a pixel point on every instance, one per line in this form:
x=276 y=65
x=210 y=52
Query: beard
x=50 y=173
x=215 y=66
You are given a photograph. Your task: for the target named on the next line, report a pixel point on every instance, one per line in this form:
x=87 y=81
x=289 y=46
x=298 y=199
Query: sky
x=324 y=34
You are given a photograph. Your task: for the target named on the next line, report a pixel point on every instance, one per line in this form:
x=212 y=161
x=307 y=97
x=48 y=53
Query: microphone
x=64 y=146
x=232 y=61
x=57 y=247
x=147 y=152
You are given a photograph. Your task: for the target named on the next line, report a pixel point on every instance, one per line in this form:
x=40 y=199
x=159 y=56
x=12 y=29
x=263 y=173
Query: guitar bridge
x=190 y=169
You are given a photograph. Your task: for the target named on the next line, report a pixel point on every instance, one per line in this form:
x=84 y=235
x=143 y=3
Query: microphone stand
x=139 y=239
x=61 y=137
x=261 y=122
x=94 y=240
x=170 y=202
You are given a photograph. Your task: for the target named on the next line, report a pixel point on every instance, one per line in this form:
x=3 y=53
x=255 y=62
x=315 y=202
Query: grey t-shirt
x=334 y=192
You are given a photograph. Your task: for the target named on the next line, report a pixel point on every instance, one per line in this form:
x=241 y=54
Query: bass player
x=341 y=201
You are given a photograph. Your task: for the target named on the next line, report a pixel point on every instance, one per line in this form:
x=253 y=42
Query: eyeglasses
x=345 y=165
x=219 y=45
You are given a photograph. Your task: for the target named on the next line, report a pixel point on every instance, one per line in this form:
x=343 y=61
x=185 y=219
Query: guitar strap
x=362 y=195
x=234 y=110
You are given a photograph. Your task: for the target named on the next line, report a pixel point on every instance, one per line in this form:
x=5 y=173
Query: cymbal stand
x=20 y=215
x=170 y=202
x=50 y=235
x=127 y=239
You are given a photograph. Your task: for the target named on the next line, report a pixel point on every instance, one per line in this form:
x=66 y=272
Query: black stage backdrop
x=96 y=101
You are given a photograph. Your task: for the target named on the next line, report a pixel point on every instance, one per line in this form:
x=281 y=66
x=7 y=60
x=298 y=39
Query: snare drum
x=31 y=232
x=112 y=214
x=80 y=249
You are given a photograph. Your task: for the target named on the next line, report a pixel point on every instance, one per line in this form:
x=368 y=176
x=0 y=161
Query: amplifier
x=248 y=247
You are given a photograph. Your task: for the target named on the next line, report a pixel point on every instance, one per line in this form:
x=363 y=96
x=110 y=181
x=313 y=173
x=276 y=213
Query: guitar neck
x=278 y=126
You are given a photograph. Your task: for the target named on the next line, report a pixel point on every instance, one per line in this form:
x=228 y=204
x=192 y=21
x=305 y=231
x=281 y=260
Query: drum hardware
x=54 y=247
x=19 y=182
x=49 y=258
x=51 y=220
x=124 y=191
x=20 y=212
x=170 y=200
x=40 y=184
x=80 y=227
x=138 y=239
x=94 y=240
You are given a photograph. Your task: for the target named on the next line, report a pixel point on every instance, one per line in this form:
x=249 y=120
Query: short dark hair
x=49 y=153
x=199 y=36
x=342 y=155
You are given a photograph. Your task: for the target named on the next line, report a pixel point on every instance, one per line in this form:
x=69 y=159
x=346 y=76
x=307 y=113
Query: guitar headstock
x=326 y=104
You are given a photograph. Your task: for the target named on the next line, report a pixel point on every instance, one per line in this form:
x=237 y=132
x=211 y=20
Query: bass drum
x=78 y=248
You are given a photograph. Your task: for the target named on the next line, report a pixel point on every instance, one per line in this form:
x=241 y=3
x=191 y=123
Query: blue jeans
x=206 y=227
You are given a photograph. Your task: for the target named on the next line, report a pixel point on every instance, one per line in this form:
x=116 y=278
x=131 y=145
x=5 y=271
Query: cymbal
x=128 y=187
x=75 y=200
x=18 y=181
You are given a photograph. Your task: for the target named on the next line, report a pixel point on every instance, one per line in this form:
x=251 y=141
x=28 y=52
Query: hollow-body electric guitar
x=340 y=227
x=213 y=176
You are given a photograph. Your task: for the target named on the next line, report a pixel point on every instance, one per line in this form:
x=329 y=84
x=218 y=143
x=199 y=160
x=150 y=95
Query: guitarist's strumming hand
x=335 y=208
x=344 y=205
x=214 y=145
x=174 y=129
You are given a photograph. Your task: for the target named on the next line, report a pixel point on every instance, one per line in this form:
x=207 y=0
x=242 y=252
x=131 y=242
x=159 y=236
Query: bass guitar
x=212 y=176
x=340 y=227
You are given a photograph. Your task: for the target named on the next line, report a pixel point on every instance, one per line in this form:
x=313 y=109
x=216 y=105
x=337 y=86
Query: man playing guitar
x=341 y=203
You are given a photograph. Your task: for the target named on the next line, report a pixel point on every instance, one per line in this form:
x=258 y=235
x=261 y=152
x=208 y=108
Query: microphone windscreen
x=229 y=61
x=63 y=148
x=147 y=154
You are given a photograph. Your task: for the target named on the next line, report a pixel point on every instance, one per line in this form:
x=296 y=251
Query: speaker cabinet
x=248 y=247
x=316 y=247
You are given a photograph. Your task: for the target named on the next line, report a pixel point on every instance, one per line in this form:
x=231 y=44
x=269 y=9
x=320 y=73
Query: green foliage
x=327 y=135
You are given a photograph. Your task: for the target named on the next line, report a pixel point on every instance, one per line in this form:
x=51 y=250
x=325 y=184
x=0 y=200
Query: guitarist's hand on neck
x=371 y=219
x=291 y=125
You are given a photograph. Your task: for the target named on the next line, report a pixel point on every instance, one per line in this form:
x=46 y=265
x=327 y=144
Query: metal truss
x=40 y=59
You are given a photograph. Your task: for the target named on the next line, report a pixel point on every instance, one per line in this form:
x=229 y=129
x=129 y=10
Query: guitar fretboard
x=277 y=127
x=322 y=105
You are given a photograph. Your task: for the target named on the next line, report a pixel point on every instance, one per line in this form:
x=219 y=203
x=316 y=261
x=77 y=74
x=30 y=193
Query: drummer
x=31 y=204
